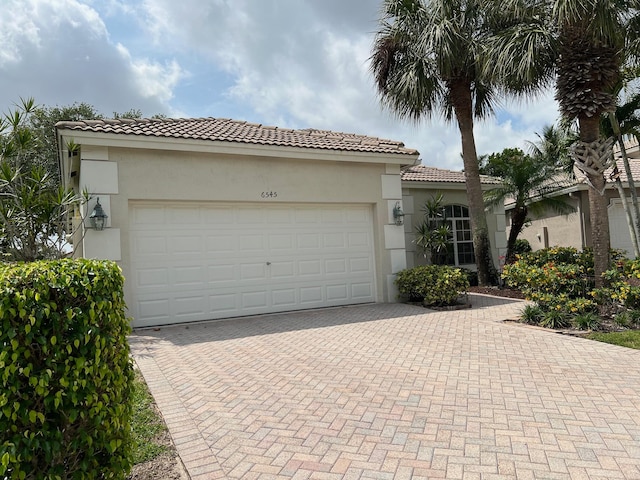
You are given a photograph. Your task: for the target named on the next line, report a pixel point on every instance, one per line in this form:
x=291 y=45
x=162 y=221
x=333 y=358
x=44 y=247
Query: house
x=574 y=230
x=421 y=183
x=215 y=218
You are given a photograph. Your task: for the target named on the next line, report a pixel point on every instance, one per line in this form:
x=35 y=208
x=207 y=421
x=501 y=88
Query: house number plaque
x=269 y=194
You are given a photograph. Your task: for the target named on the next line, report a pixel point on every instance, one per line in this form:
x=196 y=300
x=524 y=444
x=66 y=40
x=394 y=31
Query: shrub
x=434 y=285
x=521 y=246
x=554 y=319
x=531 y=314
x=66 y=378
x=587 y=321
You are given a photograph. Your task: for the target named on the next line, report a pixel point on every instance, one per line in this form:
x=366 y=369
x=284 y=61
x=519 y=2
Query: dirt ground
x=498 y=292
x=164 y=467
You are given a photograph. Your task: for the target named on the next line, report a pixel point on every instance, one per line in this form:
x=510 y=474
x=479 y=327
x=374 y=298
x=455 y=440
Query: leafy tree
x=582 y=45
x=42 y=121
x=425 y=62
x=34 y=208
x=524 y=178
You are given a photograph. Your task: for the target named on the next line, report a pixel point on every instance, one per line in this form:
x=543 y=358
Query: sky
x=288 y=63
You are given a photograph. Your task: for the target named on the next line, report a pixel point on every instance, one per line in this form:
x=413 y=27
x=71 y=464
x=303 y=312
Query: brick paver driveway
x=394 y=391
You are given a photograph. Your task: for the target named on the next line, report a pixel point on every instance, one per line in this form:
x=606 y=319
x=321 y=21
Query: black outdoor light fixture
x=398 y=214
x=98 y=217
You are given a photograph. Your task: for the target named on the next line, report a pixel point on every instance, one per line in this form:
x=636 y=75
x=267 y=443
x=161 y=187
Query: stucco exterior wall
x=551 y=229
x=189 y=177
x=415 y=196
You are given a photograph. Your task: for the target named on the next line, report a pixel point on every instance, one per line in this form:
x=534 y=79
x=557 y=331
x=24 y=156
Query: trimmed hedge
x=66 y=376
x=433 y=285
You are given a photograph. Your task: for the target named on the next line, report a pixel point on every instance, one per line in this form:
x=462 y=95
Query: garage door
x=194 y=262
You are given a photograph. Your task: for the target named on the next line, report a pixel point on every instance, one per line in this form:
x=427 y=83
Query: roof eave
x=235 y=148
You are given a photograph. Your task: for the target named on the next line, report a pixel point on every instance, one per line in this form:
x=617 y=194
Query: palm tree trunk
x=460 y=94
x=598 y=205
x=518 y=218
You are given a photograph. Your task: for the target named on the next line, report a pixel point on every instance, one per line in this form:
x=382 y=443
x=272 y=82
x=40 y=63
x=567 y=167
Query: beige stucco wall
x=415 y=195
x=551 y=229
x=187 y=176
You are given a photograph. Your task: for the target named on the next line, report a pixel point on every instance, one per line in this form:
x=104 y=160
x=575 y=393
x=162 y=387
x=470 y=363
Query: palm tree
x=425 y=62
x=524 y=178
x=582 y=45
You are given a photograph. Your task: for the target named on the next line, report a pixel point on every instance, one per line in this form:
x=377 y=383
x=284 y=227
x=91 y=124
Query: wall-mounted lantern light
x=398 y=214
x=98 y=217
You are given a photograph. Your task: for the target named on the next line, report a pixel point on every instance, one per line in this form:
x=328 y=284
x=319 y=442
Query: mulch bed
x=498 y=292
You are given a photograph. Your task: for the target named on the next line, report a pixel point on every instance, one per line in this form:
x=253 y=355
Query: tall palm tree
x=425 y=63
x=583 y=46
x=524 y=178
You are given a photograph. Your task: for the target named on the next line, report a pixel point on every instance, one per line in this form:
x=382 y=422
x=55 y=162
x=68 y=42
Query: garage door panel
x=205 y=261
x=358 y=240
x=308 y=241
x=189 y=305
x=189 y=276
x=249 y=216
x=361 y=290
x=221 y=243
x=222 y=273
x=152 y=277
x=360 y=265
x=253 y=271
x=251 y=300
x=335 y=266
x=309 y=268
x=281 y=241
x=284 y=271
x=148 y=245
x=182 y=216
x=284 y=298
x=311 y=295
x=223 y=303
x=337 y=292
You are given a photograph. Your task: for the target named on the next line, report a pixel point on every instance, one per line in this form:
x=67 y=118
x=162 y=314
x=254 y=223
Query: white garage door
x=204 y=261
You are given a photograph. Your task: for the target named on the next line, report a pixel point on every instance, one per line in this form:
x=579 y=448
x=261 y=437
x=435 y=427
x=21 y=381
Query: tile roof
x=226 y=130
x=423 y=173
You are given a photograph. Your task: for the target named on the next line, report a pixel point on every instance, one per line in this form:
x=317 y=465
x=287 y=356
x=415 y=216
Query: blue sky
x=290 y=63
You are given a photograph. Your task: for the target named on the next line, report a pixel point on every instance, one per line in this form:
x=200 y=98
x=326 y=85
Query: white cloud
x=154 y=80
x=293 y=63
x=64 y=55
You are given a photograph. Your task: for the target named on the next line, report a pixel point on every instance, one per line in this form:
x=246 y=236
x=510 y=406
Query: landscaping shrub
x=434 y=285
x=587 y=321
x=66 y=378
x=521 y=246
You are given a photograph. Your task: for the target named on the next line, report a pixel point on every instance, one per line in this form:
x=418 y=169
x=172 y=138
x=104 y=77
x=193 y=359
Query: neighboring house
x=574 y=229
x=420 y=183
x=214 y=218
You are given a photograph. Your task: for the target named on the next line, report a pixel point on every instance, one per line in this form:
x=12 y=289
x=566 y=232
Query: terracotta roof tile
x=226 y=130
x=423 y=173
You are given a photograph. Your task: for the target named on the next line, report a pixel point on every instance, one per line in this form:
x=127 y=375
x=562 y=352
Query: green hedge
x=434 y=285
x=66 y=381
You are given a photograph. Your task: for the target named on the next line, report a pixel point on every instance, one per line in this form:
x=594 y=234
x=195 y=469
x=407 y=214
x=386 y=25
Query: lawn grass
x=145 y=424
x=630 y=338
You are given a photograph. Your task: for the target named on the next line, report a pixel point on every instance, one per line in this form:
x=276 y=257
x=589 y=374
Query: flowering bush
x=572 y=280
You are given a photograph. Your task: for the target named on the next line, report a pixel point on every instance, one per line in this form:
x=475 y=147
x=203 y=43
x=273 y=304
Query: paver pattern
x=393 y=391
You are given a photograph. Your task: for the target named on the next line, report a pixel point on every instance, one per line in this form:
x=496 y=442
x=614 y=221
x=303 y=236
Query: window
x=460 y=248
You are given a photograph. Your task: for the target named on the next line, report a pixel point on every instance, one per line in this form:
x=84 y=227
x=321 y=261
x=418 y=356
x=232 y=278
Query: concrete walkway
x=394 y=391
